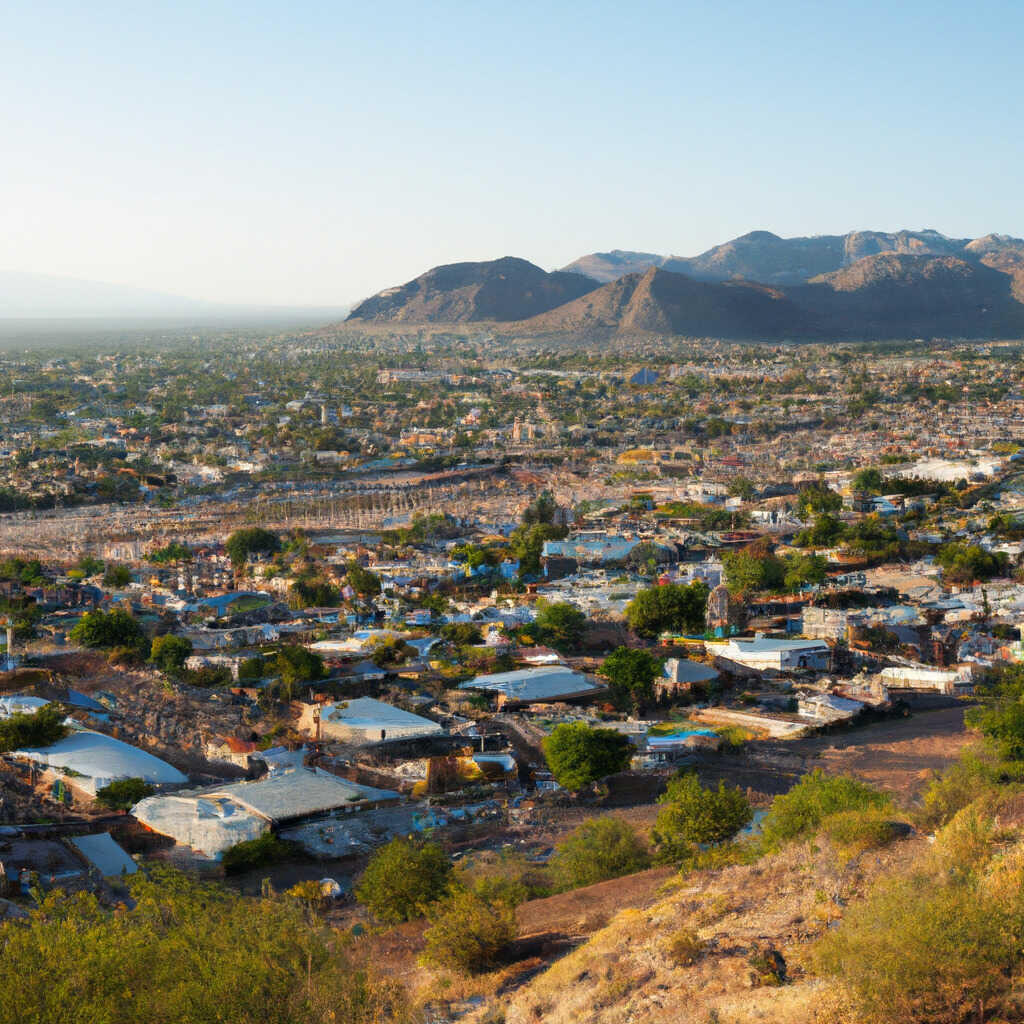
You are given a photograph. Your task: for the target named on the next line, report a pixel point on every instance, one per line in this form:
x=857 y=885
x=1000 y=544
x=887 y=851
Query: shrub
x=855 y=832
x=801 y=811
x=578 y=755
x=169 y=652
x=403 y=878
x=42 y=729
x=975 y=772
x=692 y=816
x=468 y=934
x=256 y=853
x=205 y=952
x=599 y=849
x=683 y=947
x=921 y=950
x=250 y=541
x=123 y=794
x=507 y=877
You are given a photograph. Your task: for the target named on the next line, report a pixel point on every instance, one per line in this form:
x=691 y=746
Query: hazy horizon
x=310 y=156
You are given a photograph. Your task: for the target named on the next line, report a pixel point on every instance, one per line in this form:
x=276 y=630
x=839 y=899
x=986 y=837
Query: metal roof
x=535 y=684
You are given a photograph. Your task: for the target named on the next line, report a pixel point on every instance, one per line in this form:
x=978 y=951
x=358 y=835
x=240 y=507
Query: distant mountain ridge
x=767 y=258
x=862 y=285
x=504 y=289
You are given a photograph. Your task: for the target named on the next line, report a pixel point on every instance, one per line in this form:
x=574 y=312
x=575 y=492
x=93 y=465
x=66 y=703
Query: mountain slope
x=765 y=257
x=891 y=296
x=610 y=266
x=661 y=301
x=504 y=289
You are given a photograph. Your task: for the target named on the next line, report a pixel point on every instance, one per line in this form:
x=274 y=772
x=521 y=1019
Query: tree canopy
x=403 y=878
x=578 y=755
x=253 y=540
x=108 y=629
x=691 y=815
x=673 y=607
x=631 y=673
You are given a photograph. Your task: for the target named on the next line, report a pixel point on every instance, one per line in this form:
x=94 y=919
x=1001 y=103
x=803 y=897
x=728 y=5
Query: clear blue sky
x=313 y=153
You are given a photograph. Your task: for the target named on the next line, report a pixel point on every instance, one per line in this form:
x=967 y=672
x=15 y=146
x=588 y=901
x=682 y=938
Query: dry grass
x=723 y=945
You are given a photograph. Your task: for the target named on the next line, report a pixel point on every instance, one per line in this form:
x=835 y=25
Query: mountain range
x=865 y=284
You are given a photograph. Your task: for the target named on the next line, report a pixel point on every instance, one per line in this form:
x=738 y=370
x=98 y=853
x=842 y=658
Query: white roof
x=373 y=715
x=299 y=793
x=682 y=670
x=534 y=684
x=209 y=825
x=101 y=760
x=767 y=645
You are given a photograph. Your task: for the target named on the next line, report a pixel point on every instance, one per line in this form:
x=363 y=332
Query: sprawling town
x=284 y=609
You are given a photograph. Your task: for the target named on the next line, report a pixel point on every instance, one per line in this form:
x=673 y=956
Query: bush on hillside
x=468 y=934
x=800 y=812
x=256 y=853
x=123 y=794
x=42 y=729
x=599 y=849
x=403 y=879
x=692 y=816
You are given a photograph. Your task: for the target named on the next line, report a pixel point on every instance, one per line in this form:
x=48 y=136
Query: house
x=535 y=685
x=90 y=760
x=364 y=720
x=214 y=819
x=679 y=674
x=762 y=653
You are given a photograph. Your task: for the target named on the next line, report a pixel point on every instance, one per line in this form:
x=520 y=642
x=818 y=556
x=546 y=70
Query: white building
x=763 y=653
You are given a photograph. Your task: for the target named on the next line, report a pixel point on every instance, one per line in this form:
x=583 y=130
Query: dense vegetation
x=187 y=951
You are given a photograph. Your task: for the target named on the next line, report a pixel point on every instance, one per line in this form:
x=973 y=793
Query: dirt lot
x=898 y=755
x=895 y=754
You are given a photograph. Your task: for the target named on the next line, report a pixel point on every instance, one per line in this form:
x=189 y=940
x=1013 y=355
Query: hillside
x=769 y=259
x=864 y=285
x=664 y=302
x=501 y=290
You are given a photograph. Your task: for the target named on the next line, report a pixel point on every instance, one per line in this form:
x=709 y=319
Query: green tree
x=742 y=487
x=252 y=540
x=169 y=652
x=578 y=755
x=296 y=665
x=818 y=498
x=403 y=878
x=672 y=607
x=561 y=625
x=117 y=577
x=869 y=480
x=109 y=629
x=201 y=952
x=1000 y=714
x=631 y=673
x=313 y=593
x=541 y=510
x=599 y=849
x=361 y=580
x=692 y=816
x=804 y=570
x=256 y=853
x=527 y=544
x=750 y=570
x=124 y=794
x=468 y=934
